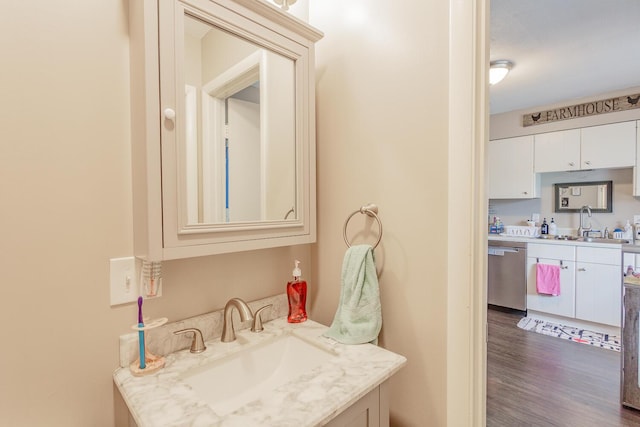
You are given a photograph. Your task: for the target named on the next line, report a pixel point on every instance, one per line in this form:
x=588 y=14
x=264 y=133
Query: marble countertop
x=163 y=399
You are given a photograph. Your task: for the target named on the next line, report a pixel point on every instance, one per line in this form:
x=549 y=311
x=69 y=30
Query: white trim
x=466 y=301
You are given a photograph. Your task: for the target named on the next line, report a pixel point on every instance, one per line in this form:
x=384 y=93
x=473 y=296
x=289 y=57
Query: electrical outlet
x=636 y=219
x=535 y=217
x=124 y=280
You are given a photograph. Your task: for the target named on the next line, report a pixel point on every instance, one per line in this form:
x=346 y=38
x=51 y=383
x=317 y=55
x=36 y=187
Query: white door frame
x=468 y=133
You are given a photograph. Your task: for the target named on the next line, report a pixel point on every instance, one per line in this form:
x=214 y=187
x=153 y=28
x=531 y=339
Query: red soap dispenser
x=297 y=294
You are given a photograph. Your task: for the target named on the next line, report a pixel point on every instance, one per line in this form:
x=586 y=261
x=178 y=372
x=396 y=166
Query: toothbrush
x=141 y=334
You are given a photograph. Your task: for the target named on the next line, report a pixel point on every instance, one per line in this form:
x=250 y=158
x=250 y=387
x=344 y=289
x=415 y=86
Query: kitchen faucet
x=228 y=333
x=581 y=229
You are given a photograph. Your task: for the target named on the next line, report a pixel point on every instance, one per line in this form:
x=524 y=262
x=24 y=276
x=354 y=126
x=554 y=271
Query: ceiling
x=563 y=50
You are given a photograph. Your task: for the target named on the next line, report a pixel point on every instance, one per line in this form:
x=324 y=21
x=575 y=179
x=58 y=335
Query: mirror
x=570 y=197
x=239 y=132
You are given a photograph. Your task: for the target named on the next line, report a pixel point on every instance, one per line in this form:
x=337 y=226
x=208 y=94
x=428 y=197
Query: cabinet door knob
x=524 y=192
x=169 y=114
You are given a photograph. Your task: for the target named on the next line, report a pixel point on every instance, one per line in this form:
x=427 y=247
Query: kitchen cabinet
x=204 y=184
x=608 y=146
x=596 y=147
x=590 y=282
x=510 y=173
x=636 y=169
x=563 y=256
x=557 y=151
x=598 y=285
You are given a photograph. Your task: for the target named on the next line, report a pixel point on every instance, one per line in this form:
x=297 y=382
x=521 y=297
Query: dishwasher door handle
x=500 y=251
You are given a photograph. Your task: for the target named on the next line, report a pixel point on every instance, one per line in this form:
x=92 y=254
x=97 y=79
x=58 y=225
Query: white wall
x=66 y=210
x=514 y=212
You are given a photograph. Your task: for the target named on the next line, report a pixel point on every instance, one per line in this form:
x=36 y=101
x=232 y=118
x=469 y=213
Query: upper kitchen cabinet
x=557 y=151
x=223 y=127
x=597 y=147
x=608 y=146
x=510 y=173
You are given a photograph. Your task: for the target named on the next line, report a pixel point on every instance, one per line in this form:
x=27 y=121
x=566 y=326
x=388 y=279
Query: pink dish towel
x=548 y=279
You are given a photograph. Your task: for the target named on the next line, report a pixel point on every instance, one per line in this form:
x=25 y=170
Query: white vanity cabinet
x=557 y=151
x=372 y=410
x=598 y=285
x=196 y=65
x=510 y=173
x=563 y=256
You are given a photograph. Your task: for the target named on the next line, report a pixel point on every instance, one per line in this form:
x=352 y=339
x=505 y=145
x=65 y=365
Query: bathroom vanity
x=338 y=385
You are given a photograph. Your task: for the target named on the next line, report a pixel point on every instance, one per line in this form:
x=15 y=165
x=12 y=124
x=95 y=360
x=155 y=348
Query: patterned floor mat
x=583 y=336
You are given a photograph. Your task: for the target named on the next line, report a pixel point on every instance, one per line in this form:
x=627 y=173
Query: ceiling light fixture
x=498 y=70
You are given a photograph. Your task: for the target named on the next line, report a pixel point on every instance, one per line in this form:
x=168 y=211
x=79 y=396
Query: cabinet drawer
x=599 y=255
x=560 y=252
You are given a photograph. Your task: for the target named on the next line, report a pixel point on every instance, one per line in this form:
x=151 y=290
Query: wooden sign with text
x=593 y=108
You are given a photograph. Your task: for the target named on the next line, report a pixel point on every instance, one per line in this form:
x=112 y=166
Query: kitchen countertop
x=552 y=241
x=163 y=399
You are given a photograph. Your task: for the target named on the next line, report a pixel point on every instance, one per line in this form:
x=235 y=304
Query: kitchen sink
x=585 y=239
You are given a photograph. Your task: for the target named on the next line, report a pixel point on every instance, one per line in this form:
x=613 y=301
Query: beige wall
x=66 y=209
x=509 y=124
x=382 y=138
x=65 y=161
x=625 y=205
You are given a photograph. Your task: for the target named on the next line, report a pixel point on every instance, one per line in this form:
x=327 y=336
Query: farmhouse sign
x=609 y=105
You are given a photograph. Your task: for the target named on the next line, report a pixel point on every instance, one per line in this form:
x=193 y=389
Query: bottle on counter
x=544 y=228
x=297 y=294
x=553 y=228
x=628 y=232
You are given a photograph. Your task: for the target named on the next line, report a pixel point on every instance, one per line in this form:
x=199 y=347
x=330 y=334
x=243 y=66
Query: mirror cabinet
x=223 y=127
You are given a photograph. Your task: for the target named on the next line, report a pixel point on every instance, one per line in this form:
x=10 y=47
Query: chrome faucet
x=228 y=333
x=581 y=229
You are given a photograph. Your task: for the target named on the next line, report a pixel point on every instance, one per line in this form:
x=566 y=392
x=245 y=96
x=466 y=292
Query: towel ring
x=370 y=210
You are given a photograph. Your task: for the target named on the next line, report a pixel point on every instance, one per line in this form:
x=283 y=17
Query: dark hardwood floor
x=536 y=380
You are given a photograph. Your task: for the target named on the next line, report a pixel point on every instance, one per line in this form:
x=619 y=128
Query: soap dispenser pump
x=297 y=295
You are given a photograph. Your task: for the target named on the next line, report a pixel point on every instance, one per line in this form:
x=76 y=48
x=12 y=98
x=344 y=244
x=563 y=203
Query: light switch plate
x=636 y=219
x=535 y=217
x=124 y=280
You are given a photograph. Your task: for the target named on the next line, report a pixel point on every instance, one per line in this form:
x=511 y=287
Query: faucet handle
x=257 y=319
x=197 y=342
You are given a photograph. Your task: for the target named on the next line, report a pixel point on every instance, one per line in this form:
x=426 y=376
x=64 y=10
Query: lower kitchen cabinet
x=590 y=282
x=563 y=256
x=599 y=285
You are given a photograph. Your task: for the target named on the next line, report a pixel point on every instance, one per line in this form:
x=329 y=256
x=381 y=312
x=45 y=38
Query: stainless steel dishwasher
x=507 y=275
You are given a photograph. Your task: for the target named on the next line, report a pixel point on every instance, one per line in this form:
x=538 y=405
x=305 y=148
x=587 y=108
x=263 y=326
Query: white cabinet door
x=561 y=305
x=636 y=169
x=510 y=172
x=608 y=146
x=557 y=151
x=598 y=293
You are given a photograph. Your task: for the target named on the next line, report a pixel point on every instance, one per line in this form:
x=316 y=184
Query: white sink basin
x=232 y=382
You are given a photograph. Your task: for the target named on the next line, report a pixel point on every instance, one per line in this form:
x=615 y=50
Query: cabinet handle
x=571 y=164
x=524 y=192
x=169 y=114
x=587 y=162
x=582 y=269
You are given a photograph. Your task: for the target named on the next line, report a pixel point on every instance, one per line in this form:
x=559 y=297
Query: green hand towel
x=358 y=319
